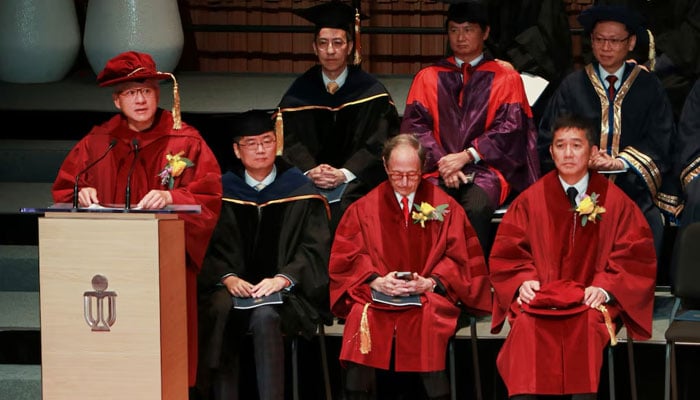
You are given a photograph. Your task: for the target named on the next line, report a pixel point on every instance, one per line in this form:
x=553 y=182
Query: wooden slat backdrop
x=285 y=52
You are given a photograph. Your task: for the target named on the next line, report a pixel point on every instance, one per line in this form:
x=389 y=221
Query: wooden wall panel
x=382 y=45
x=287 y=52
x=432 y=46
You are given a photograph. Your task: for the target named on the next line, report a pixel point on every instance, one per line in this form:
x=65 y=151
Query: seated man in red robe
x=431 y=256
x=146 y=157
x=572 y=255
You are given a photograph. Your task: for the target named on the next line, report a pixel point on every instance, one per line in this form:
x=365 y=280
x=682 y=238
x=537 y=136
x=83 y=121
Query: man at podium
x=149 y=155
x=266 y=270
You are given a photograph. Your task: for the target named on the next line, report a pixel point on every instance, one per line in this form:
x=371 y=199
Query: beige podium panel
x=113 y=306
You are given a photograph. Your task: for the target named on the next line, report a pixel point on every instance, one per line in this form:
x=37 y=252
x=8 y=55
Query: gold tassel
x=177 y=119
x=358 y=44
x=652 y=51
x=608 y=324
x=365 y=337
x=279 y=132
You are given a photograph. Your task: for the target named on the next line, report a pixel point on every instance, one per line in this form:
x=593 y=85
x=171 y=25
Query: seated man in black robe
x=336 y=117
x=272 y=239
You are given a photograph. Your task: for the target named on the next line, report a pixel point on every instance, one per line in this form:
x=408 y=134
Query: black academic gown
x=345 y=130
x=283 y=229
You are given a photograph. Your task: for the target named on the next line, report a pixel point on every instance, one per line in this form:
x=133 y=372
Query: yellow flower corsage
x=425 y=212
x=589 y=210
x=173 y=168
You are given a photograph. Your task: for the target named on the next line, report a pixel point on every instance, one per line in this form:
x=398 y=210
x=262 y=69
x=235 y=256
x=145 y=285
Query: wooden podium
x=124 y=268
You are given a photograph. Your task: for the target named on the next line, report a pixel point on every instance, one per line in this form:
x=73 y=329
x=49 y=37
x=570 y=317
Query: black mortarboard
x=333 y=14
x=461 y=11
x=336 y=15
x=257 y=122
x=618 y=13
x=253 y=123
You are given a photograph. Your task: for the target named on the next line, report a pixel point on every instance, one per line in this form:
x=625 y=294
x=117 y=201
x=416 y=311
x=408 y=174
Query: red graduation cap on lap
x=557 y=298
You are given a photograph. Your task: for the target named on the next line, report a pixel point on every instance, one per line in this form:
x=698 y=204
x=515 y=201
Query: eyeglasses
x=600 y=42
x=398 y=176
x=336 y=44
x=252 y=145
x=131 y=93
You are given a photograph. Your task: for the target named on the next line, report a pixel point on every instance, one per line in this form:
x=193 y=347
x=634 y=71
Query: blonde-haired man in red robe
x=438 y=250
x=560 y=263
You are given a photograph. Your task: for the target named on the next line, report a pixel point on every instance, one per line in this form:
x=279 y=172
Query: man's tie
x=260 y=186
x=611 y=88
x=332 y=87
x=406 y=211
x=571 y=193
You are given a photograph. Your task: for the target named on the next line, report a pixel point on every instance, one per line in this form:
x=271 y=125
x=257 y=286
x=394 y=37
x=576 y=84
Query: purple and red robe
x=373 y=240
x=198 y=184
x=450 y=109
x=541 y=238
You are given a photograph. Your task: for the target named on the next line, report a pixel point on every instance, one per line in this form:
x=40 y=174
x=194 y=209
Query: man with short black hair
x=572 y=256
x=336 y=117
x=473 y=118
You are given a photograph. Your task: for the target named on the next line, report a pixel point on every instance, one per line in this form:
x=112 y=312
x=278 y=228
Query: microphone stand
x=127 y=200
x=112 y=143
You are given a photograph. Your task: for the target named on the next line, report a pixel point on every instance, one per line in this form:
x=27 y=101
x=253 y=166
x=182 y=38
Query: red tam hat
x=133 y=66
x=129 y=66
x=557 y=298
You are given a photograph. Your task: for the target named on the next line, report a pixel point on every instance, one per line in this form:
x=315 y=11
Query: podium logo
x=98 y=315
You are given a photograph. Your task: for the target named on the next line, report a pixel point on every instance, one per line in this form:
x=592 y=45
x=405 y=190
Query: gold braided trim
x=652 y=51
x=279 y=132
x=604 y=105
x=669 y=203
x=646 y=167
x=358 y=43
x=177 y=119
x=690 y=172
x=279 y=201
x=608 y=324
x=605 y=130
x=360 y=101
x=365 y=337
x=619 y=99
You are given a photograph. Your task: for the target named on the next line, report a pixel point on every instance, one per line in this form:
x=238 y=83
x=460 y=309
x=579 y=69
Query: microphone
x=127 y=199
x=112 y=143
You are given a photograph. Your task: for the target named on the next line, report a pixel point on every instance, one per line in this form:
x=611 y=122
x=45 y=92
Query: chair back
x=686 y=279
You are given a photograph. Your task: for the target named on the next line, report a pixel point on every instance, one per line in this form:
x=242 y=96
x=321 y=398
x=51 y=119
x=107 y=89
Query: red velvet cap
x=129 y=66
x=557 y=298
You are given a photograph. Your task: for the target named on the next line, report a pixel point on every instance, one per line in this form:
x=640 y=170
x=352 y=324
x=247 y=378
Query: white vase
x=39 y=40
x=147 y=26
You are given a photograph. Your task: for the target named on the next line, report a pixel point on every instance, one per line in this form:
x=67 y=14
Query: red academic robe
x=372 y=238
x=541 y=238
x=198 y=184
x=450 y=109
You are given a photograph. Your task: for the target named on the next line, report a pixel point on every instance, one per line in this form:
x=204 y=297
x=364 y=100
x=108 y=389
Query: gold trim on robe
x=644 y=164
